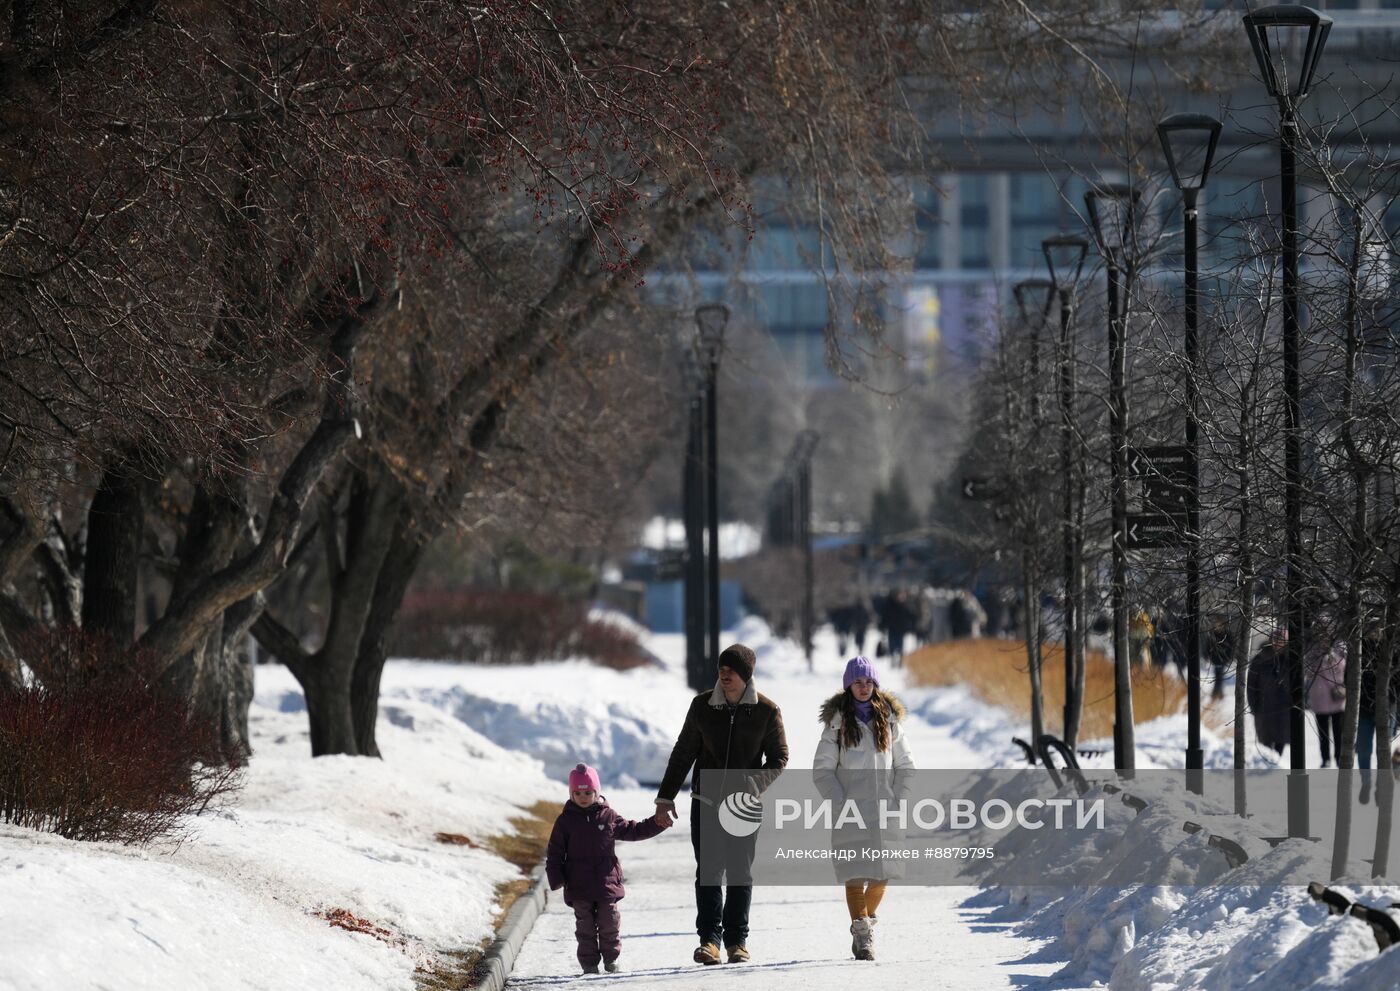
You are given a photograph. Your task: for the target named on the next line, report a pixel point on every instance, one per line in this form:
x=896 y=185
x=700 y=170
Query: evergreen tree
x=892 y=508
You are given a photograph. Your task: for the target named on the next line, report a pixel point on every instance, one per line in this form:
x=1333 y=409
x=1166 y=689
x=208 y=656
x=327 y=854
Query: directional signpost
x=1166 y=475
x=979 y=488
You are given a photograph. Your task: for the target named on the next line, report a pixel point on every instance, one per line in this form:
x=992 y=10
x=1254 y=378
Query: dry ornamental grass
x=996 y=672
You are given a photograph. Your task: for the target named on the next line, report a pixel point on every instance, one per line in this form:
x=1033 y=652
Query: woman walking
x=1326 y=665
x=862 y=758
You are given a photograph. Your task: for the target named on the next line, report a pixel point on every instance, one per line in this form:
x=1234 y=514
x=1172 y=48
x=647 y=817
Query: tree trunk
x=1242 y=674
x=216 y=680
x=1355 y=623
x=327 y=693
x=115 y=522
x=1032 y=634
x=1074 y=651
x=1247 y=604
x=395 y=573
x=328 y=677
x=214 y=677
x=1385 y=779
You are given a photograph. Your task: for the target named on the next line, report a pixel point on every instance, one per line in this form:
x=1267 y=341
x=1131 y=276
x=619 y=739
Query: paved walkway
x=799 y=935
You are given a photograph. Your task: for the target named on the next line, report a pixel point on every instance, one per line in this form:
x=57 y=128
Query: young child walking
x=581 y=861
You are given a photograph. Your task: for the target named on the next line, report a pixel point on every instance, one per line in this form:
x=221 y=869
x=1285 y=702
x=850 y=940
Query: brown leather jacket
x=745 y=736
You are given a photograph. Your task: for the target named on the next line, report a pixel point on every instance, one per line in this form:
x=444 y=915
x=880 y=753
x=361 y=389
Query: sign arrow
x=1146 y=530
x=976 y=488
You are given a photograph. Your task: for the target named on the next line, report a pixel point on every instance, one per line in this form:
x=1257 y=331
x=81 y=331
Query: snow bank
x=235 y=905
x=1160 y=909
x=621 y=722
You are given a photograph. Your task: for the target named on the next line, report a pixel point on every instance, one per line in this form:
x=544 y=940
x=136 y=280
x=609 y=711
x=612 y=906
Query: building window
x=1037 y=212
x=928 y=226
x=796 y=317
x=976 y=216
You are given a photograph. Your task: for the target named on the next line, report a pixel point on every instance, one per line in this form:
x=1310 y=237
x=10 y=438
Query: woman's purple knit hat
x=860 y=667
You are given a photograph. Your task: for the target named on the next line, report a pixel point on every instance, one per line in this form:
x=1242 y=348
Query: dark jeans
x=1329 y=728
x=1366 y=739
x=721 y=860
x=598 y=928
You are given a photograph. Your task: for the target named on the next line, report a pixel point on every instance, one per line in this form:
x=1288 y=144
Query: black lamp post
x=1034 y=297
x=803 y=449
x=1113 y=216
x=693 y=512
x=711 y=319
x=1188 y=141
x=1288 y=40
x=1064 y=255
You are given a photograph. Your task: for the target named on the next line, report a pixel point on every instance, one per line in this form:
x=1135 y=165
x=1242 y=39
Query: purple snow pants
x=599 y=931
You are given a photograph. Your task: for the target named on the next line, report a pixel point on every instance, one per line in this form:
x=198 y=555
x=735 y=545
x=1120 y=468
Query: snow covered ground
x=236 y=905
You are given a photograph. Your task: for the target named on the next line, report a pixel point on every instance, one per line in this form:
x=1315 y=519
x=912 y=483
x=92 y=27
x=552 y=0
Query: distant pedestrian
x=840 y=617
x=862 y=757
x=580 y=860
x=860 y=624
x=1325 y=665
x=1367 y=737
x=1270 y=699
x=851 y=623
x=976 y=614
x=1169 y=641
x=959 y=620
x=1220 y=650
x=898 y=621
x=1140 y=638
x=1366 y=721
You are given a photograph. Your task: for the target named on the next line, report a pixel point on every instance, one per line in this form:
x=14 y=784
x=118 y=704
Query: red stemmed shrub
x=93 y=749
x=497 y=626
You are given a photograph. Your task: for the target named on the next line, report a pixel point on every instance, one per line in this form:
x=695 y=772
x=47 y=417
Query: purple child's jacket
x=581 y=857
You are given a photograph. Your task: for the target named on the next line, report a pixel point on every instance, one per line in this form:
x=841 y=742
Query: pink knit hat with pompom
x=584 y=776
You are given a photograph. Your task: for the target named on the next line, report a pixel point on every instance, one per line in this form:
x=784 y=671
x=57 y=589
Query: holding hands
x=665 y=813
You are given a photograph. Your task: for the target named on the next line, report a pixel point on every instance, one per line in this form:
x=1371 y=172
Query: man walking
x=731 y=728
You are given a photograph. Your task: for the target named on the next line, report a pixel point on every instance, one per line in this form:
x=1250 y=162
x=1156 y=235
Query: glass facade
x=967 y=235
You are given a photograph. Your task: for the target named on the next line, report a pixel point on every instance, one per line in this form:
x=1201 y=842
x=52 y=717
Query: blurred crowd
x=903 y=618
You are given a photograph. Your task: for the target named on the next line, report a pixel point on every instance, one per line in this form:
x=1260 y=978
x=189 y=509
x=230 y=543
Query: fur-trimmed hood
x=831 y=708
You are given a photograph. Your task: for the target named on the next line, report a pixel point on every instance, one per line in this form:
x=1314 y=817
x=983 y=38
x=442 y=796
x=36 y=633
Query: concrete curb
x=499 y=959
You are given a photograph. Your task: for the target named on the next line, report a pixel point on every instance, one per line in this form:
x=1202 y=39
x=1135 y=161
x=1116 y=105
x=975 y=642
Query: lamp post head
x=1064 y=256
x=1188 y=142
x=1034 y=295
x=711 y=319
x=1113 y=219
x=1287 y=40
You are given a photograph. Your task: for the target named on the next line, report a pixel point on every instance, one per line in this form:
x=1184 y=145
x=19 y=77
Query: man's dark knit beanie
x=739 y=659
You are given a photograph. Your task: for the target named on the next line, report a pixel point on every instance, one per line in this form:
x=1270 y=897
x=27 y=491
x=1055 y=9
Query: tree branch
x=182 y=626
x=280 y=642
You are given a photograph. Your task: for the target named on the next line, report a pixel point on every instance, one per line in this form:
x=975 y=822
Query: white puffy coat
x=853 y=771
x=865 y=775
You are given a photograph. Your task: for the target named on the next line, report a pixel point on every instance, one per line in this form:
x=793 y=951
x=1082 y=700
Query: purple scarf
x=865 y=711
